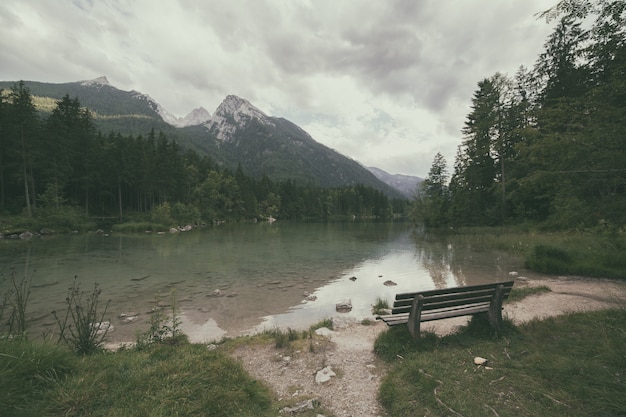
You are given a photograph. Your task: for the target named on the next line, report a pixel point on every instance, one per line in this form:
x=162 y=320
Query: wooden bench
x=413 y=308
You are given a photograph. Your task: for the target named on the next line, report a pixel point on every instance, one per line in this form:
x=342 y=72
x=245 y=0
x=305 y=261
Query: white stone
x=324 y=375
x=479 y=361
x=323 y=331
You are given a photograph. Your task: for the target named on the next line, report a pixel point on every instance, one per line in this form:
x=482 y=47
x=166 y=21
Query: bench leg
x=495 y=308
x=414 y=317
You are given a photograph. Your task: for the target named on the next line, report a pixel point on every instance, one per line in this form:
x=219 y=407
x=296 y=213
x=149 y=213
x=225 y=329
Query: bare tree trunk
x=119 y=198
x=26 y=190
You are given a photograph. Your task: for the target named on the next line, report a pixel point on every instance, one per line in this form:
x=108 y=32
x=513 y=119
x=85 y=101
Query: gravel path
x=353 y=390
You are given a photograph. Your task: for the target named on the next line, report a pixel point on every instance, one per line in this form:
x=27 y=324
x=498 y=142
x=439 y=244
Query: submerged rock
x=344 y=306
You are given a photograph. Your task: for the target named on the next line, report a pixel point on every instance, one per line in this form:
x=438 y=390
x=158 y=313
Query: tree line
x=60 y=166
x=548 y=145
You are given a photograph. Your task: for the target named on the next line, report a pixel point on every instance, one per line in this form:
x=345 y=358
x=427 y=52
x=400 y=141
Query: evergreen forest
x=546 y=146
x=59 y=171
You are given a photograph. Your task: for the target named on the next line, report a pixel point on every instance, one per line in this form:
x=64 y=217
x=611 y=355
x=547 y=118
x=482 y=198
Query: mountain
x=237 y=134
x=127 y=112
x=405 y=184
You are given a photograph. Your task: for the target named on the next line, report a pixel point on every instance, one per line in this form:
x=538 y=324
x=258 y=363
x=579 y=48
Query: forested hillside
x=59 y=169
x=547 y=145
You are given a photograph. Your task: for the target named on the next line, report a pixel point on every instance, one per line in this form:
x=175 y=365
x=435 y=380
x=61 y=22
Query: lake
x=235 y=279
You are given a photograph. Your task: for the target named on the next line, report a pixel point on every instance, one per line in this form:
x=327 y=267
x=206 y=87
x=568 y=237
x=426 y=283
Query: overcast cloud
x=387 y=83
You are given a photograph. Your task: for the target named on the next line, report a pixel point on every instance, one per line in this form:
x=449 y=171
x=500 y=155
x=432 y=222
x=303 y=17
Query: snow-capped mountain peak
x=238 y=108
x=196 y=117
x=96 y=82
x=234 y=112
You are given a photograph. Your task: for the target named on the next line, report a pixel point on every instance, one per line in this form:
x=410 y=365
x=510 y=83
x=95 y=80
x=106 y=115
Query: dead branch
x=497 y=380
x=494 y=411
x=555 y=400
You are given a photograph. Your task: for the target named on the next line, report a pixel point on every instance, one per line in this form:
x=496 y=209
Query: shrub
x=549 y=260
x=14 y=305
x=164 y=328
x=82 y=328
x=380 y=306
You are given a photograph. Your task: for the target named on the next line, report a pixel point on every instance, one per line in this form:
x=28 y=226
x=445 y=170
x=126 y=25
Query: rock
x=303 y=406
x=185 y=228
x=26 y=235
x=389 y=283
x=513 y=274
x=480 y=361
x=323 y=331
x=324 y=375
x=352 y=279
x=103 y=327
x=211 y=346
x=344 y=306
x=128 y=318
x=173 y=230
x=46 y=231
x=217 y=293
x=310 y=297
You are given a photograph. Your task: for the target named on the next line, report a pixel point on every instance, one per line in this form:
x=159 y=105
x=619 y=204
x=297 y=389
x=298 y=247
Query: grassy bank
x=163 y=380
x=167 y=378
x=565 y=366
x=592 y=254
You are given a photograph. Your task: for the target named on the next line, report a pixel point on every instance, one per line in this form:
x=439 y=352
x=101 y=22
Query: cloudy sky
x=385 y=82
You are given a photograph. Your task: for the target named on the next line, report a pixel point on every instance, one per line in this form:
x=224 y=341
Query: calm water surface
x=234 y=279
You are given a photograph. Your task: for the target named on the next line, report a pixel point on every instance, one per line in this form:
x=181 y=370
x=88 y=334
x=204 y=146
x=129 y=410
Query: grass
x=381 y=306
x=585 y=253
x=284 y=338
x=570 y=365
x=162 y=380
x=28 y=372
x=138 y=227
x=519 y=293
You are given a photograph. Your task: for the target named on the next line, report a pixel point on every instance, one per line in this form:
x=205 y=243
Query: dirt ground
x=348 y=350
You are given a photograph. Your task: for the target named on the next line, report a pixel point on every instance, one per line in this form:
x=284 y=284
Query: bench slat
x=433 y=304
x=394 y=319
x=402 y=318
x=506 y=284
x=465 y=311
x=434 y=298
x=447 y=303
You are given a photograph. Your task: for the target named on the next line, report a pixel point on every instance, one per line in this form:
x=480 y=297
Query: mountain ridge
x=237 y=134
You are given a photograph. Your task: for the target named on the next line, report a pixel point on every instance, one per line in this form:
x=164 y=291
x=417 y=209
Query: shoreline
x=568 y=294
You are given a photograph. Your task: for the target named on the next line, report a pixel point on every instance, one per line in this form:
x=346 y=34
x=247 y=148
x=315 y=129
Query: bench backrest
x=450 y=297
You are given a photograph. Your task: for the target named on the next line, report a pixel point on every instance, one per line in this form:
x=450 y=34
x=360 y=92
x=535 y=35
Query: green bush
x=549 y=260
x=184 y=214
x=138 y=227
x=82 y=328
